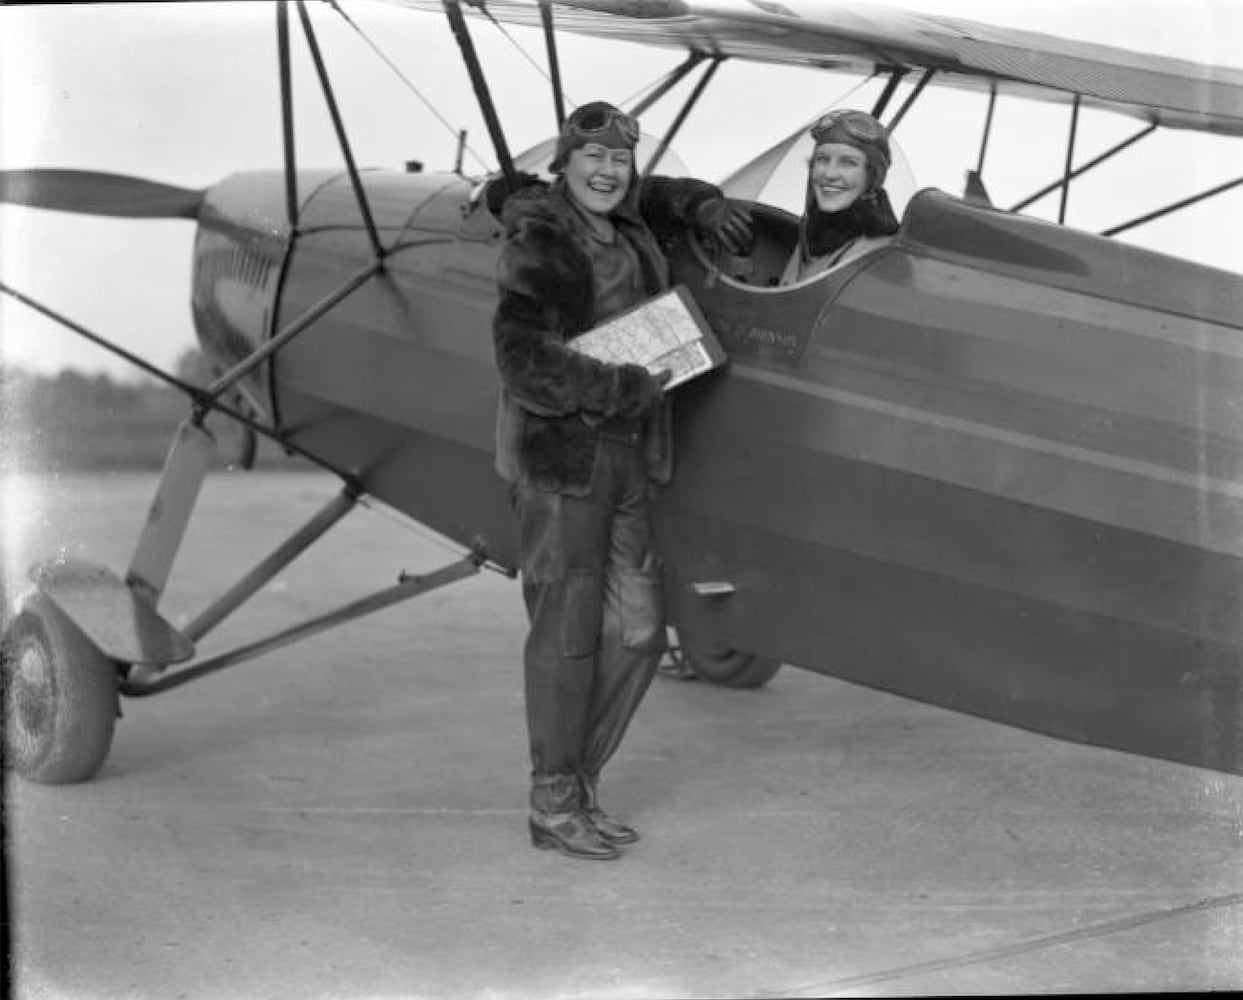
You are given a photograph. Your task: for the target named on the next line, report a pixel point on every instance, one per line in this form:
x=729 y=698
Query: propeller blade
x=95 y=193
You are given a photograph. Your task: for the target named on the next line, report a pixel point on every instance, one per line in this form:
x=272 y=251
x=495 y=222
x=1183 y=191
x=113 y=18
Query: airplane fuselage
x=994 y=466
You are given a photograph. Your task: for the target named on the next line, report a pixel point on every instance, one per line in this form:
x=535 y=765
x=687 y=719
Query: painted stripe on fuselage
x=1224 y=498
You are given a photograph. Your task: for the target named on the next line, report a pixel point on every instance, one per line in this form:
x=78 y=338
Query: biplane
x=995 y=465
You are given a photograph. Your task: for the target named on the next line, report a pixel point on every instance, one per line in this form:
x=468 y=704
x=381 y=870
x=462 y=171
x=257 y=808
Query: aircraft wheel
x=60 y=697
x=724 y=665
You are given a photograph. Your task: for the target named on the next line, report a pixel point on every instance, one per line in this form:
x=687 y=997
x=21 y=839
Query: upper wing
x=856 y=36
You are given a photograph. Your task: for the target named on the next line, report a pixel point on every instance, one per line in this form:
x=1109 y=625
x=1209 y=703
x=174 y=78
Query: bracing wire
x=407 y=81
x=535 y=63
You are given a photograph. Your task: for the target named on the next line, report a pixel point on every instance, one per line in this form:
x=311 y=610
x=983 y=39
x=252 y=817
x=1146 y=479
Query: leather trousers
x=591 y=581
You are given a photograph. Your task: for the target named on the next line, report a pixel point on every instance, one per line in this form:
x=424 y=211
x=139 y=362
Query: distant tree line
x=77 y=422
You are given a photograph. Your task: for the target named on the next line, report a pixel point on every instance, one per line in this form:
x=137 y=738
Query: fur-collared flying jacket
x=553 y=399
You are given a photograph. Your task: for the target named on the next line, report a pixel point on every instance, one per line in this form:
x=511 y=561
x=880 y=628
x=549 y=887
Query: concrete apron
x=347 y=818
x=298 y=831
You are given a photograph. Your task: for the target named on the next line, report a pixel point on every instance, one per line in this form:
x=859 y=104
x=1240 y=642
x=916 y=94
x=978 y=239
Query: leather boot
x=558 y=822
x=610 y=829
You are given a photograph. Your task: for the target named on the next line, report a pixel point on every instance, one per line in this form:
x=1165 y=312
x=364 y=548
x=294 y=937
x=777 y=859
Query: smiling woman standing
x=847 y=211
x=583 y=444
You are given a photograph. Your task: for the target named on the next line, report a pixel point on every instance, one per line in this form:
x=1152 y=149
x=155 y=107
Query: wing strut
x=974 y=190
x=681 y=115
x=291 y=163
x=988 y=128
x=1070 y=156
x=457 y=23
x=331 y=100
x=895 y=76
x=554 y=67
x=270 y=347
x=202 y=401
x=924 y=79
x=671 y=80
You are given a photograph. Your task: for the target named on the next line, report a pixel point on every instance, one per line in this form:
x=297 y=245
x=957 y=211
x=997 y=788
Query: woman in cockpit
x=847 y=211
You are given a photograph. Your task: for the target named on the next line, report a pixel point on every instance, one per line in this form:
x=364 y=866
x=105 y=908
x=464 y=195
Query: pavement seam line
x=1011 y=950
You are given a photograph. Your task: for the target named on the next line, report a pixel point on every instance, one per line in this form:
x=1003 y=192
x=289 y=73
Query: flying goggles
x=591 y=123
x=856 y=124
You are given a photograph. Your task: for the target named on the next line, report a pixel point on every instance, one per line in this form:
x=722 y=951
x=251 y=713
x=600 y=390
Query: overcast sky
x=187 y=93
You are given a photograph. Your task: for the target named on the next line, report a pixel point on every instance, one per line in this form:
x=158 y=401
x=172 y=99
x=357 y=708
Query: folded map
x=665 y=333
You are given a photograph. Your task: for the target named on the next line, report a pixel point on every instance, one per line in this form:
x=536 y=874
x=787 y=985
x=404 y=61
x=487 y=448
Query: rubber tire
x=726 y=666
x=60 y=697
